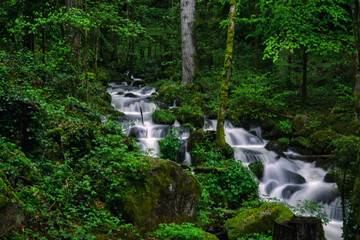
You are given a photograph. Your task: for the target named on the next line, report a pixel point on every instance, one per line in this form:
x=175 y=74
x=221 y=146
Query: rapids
x=286 y=179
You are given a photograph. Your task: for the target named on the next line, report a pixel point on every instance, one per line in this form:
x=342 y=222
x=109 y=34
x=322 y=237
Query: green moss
x=168 y=194
x=190 y=114
x=3 y=201
x=162 y=116
x=209 y=236
x=300 y=123
x=321 y=141
x=257 y=220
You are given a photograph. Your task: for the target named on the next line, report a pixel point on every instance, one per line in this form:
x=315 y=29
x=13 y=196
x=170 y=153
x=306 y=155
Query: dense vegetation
x=64 y=157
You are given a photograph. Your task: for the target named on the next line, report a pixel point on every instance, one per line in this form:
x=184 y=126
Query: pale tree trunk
x=188 y=43
x=220 y=131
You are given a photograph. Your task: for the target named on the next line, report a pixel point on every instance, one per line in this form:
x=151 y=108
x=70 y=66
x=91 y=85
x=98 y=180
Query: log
x=307 y=157
x=202 y=169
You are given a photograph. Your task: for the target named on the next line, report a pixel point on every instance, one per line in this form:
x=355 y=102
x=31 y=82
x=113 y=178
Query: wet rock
x=271 y=186
x=168 y=194
x=288 y=191
x=330 y=176
x=277 y=147
x=257 y=168
x=308 y=228
x=130 y=95
x=293 y=177
x=257 y=220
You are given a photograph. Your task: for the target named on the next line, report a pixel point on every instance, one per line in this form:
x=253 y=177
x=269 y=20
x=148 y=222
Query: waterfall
x=289 y=180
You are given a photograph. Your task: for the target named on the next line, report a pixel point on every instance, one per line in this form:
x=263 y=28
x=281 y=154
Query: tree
x=311 y=26
x=188 y=42
x=226 y=74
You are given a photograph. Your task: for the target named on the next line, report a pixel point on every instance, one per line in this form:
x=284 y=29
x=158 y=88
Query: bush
x=161 y=116
x=172 y=231
x=170 y=145
x=232 y=185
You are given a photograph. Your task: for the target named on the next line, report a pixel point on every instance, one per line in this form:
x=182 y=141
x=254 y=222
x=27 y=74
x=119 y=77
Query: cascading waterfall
x=290 y=180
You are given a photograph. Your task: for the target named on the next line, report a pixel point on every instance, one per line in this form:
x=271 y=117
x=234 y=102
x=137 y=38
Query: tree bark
x=220 y=131
x=356 y=27
x=304 y=78
x=188 y=43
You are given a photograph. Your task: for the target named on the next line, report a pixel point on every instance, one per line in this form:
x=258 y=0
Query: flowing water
x=287 y=179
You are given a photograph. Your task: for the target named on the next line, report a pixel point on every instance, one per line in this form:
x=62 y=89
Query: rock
x=209 y=236
x=162 y=116
x=289 y=190
x=301 y=145
x=257 y=168
x=299 y=123
x=11 y=214
x=293 y=177
x=190 y=114
x=308 y=228
x=330 y=176
x=321 y=142
x=277 y=147
x=130 y=95
x=168 y=194
x=257 y=220
x=11 y=217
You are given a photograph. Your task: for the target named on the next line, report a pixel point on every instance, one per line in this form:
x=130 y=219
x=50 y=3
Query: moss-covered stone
x=277 y=147
x=168 y=194
x=3 y=201
x=162 y=116
x=257 y=220
x=209 y=236
x=300 y=123
x=190 y=114
x=168 y=94
x=257 y=168
x=302 y=145
x=321 y=142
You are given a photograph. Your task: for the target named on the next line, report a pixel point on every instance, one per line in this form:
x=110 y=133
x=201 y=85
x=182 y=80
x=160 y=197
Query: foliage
x=170 y=145
x=231 y=186
x=162 y=116
x=185 y=231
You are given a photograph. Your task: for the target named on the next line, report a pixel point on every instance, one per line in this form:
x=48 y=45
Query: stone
x=130 y=95
x=168 y=194
x=299 y=123
x=307 y=228
x=257 y=168
x=11 y=216
x=276 y=147
x=257 y=220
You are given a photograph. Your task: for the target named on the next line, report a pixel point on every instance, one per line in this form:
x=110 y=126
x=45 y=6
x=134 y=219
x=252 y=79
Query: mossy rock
x=302 y=144
x=321 y=142
x=190 y=114
x=162 y=116
x=197 y=138
x=3 y=201
x=209 y=236
x=168 y=194
x=257 y=168
x=168 y=94
x=300 y=123
x=257 y=220
x=277 y=147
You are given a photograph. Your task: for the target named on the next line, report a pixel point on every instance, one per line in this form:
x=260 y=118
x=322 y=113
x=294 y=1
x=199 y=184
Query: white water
x=285 y=179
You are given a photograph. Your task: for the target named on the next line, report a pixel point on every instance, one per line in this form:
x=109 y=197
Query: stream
x=289 y=180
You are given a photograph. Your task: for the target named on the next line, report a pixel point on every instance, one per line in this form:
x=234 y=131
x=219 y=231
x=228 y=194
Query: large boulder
x=308 y=228
x=300 y=123
x=11 y=214
x=168 y=194
x=321 y=141
x=257 y=220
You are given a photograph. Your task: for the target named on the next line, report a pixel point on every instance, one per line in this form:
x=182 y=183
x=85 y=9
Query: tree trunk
x=356 y=202
x=304 y=78
x=188 y=43
x=356 y=27
x=220 y=131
